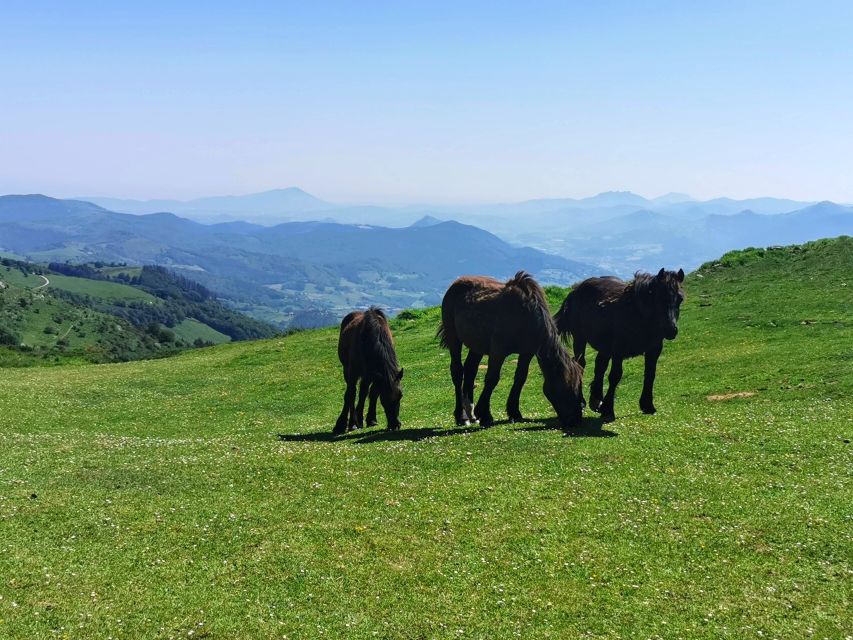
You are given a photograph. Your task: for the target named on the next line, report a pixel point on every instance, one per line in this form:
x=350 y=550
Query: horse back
x=588 y=308
x=349 y=334
x=486 y=315
x=601 y=311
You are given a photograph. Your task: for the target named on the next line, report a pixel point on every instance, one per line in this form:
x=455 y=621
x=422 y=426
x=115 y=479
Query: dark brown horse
x=496 y=319
x=366 y=350
x=622 y=320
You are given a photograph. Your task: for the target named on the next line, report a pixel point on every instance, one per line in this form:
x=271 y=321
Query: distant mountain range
x=618 y=230
x=270 y=206
x=327 y=259
x=644 y=239
x=301 y=273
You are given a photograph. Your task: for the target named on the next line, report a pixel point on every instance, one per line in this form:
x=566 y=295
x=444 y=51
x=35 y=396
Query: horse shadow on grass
x=364 y=436
x=590 y=428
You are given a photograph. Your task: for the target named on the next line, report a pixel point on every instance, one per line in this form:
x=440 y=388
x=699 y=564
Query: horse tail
x=563 y=318
x=446 y=332
x=441 y=334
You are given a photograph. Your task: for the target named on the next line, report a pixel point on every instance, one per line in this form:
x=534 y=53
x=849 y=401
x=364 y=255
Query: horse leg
x=349 y=397
x=513 y=411
x=456 y=373
x=371 y=407
x=647 y=404
x=607 y=412
x=579 y=346
x=596 y=389
x=359 y=409
x=493 y=374
x=469 y=375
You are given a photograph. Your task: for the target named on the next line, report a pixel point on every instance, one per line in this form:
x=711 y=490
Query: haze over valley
x=293 y=259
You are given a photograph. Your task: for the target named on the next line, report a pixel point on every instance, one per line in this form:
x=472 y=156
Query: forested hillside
x=106 y=312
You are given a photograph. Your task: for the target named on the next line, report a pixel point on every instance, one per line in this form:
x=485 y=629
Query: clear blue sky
x=427 y=101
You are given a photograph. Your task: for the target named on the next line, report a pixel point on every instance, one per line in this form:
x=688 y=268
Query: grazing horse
x=622 y=320
x=366 y=350
x=496 y=319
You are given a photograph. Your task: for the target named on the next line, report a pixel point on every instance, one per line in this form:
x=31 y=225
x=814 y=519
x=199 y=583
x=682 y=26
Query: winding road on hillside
x=42 y=286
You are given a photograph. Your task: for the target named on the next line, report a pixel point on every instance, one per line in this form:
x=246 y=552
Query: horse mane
x=378 y=344
x=530 y=290
x=552 y=349
x=641 y=284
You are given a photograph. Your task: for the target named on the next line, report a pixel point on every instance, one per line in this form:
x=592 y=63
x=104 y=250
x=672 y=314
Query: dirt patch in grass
x=729 y=396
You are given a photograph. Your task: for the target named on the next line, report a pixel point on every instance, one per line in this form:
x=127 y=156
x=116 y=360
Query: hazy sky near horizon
x=427 y=102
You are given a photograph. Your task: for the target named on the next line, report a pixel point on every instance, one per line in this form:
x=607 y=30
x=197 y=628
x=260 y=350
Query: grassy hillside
x=100 y=289
x=53 y=330
x=190 y=330
x=62 y=311
x=202 y=496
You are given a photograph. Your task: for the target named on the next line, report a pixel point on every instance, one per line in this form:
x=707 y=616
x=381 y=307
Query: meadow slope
x=203 y=496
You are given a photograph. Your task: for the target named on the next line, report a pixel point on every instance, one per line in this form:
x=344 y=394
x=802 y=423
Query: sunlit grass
x=203 y=495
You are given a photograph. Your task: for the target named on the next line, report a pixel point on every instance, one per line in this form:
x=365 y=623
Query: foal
x=496 y=319
x=622 y=320
x=366 y=351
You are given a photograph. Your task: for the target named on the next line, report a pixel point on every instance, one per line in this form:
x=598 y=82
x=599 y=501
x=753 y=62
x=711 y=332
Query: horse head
x=390 y=395
x=664 y=295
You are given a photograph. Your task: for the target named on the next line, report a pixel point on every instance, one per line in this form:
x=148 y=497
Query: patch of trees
x=166 y=284
x=9 y=338
x=180 y=298
x=313 y=319
x=87 y=271
x=188 y=299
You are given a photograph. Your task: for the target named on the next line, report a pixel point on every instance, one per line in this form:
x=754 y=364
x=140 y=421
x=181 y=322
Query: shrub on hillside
x=8 y=338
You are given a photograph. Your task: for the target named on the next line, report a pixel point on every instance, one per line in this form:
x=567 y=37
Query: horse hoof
x=608 y=417
x=372 y=423
x=648 y=408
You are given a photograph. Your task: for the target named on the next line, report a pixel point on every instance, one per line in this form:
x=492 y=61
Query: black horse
x=622 y=320
x=496 y=319
x=366 y=351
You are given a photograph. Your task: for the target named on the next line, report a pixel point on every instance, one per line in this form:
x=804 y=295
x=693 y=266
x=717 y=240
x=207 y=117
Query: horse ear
x=680 y=275
x=400 y=375
x=661 y=273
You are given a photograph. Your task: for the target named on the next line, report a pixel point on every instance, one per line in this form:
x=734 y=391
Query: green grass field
x=18 y=278
x=191 y=330
x=203 y=496
x=102 y=289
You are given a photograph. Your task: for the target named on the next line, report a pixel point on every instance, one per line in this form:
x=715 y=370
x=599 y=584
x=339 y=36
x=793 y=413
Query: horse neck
x=553 y=358
x=381 y=355
x=638 y=316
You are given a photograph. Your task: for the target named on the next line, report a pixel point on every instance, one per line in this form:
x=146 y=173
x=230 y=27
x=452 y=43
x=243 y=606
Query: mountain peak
x=672 y=198
x=426 y=221
x=614 y=198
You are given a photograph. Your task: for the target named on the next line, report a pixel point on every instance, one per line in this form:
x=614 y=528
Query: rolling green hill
x=37 y=327
x=104 y=313
x=203 y=495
